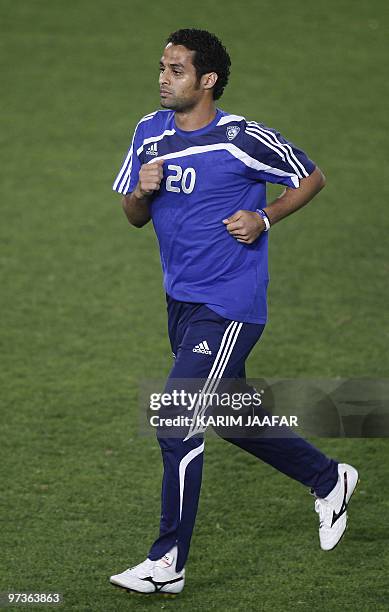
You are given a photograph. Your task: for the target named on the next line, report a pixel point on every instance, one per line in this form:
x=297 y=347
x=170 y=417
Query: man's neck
x=196 y=118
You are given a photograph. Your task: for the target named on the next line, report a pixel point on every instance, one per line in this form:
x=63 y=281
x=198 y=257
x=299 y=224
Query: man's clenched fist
x=150 y=177
x=245 y=226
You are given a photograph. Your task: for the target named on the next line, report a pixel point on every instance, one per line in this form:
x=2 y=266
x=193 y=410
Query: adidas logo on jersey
x=202 y=348
x=153 y=149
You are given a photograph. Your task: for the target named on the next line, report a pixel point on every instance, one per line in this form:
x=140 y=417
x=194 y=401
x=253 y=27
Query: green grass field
x=83 y=315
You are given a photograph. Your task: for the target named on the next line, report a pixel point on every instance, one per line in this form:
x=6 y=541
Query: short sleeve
x=279 y=160
x=128 y=175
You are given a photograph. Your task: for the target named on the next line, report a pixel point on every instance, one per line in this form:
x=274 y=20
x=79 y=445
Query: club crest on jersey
x=232 y=131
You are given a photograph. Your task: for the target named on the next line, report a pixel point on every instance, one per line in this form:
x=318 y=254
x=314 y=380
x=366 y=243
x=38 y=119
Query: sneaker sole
x=133 y=592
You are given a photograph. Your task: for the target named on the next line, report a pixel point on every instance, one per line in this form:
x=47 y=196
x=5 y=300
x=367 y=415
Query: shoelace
x=322 y=508
x=134 y=567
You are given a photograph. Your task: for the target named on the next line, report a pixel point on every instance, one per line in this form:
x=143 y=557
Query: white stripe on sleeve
x=283 y=146
x=254 y=134
x=124 y=176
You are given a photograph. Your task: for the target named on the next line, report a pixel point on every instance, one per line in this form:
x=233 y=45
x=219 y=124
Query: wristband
x=265 y=218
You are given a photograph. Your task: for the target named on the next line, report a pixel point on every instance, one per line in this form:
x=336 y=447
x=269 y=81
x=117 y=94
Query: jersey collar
x=202 y=130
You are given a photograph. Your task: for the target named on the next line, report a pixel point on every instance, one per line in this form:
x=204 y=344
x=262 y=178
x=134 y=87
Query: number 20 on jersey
x=180 y=180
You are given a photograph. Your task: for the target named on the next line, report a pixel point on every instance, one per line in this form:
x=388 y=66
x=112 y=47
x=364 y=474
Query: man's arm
x=136 y=205
x=292 y=199
x=136 y=209
x=246 y=226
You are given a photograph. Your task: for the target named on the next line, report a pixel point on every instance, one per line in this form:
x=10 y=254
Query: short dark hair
x=210 y=55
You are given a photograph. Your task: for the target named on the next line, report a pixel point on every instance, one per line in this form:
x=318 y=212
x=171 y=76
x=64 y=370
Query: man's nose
x=163 y=78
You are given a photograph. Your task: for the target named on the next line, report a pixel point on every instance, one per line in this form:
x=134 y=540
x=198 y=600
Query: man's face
x=180 y=89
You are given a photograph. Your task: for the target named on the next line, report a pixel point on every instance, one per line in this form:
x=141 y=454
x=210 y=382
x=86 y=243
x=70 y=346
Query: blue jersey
x=208 y=175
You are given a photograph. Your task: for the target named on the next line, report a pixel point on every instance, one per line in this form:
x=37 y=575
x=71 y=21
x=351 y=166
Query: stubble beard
x=179 y=105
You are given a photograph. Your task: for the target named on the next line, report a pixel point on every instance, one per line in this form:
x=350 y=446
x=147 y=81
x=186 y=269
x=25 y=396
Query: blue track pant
x=229 y=344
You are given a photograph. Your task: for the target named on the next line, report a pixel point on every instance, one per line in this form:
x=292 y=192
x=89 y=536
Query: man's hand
x=245 y=226
x=150 y=177
x=136 y=204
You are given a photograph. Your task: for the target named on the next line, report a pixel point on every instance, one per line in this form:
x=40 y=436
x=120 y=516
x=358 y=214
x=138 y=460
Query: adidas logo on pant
x=202 y=348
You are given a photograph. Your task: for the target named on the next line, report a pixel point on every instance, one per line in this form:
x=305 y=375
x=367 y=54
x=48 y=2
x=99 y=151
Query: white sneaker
x=332 y=509
x=153 y=576
x=136 y=578
x=165 y=577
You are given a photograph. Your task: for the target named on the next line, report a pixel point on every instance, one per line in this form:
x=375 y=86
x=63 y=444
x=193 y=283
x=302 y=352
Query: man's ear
x=209 y=80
